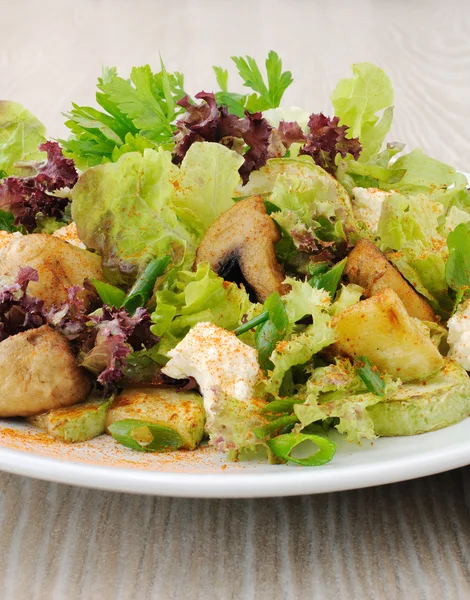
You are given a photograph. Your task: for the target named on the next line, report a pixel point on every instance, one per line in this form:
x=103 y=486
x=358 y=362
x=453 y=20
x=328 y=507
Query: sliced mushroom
x=59 y=265
x=38 y=372
x=245 y=234
x=368 y=267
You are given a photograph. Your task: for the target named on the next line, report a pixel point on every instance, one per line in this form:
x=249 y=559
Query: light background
x=408 y=540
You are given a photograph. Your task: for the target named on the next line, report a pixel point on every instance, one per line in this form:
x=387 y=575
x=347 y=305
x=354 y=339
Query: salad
x=225 y=268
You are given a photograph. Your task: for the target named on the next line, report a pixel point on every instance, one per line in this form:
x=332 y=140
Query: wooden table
x=409 y=540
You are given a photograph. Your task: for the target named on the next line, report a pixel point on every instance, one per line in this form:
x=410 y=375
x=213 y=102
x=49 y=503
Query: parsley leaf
x=269 y=96
x=265 y=94
x=144 y=106
x=222 y=78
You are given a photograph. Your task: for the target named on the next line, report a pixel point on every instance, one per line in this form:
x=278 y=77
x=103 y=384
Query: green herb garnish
x=369 y=375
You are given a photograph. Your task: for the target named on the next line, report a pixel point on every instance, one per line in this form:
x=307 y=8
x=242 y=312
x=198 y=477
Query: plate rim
x=252 y=484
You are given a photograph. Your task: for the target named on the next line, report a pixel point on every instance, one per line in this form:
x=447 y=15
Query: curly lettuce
x=358 y=103
x=312 y=209
x=196 y=297
x=300 y=347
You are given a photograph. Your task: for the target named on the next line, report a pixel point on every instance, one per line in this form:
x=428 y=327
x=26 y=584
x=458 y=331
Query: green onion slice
x=145 y=436
x=261 y=318
x=279 y=407
x=283 y=445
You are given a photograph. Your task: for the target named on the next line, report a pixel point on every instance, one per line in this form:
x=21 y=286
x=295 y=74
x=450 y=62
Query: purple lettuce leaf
x=326 y=139
x=71 y=317
x=210 y=123
x=18 y=311
x=290 y=133
x=115 y=335
x=29 y=197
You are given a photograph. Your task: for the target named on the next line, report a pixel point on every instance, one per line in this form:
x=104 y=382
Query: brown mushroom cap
x=247 y=234
x=368 y=267
x=59 y=265
x=38 y=372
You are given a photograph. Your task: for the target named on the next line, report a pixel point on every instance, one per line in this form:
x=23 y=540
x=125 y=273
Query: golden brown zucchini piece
x=368 y=267
x=182 y=411
x=245 y=234
x=77 y=423
x=38 y=372
x=381 y=329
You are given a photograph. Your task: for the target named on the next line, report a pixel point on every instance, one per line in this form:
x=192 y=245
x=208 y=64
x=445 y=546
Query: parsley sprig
x=266 y=94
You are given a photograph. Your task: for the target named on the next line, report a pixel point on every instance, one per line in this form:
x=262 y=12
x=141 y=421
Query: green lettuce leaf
x=300 y=348
x=357 y=102
x=457 y=269
x=413 y=262
x=125 y=211
x=302 y=300
x=455 y=216
x=232 y=423
x=20 y=135
x=424 y=174
x=336 y=391
x=315 y=211
x=407 y=220
x=347 y=296
x=411 y=226
x=206 y=182
x=193 y=298
x=287 y=113
x=410 y=174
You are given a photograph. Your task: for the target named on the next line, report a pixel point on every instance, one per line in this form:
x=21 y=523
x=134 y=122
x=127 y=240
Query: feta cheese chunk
x=218 y=361
x=69 y=234
x=459 y=336
x=367 y=205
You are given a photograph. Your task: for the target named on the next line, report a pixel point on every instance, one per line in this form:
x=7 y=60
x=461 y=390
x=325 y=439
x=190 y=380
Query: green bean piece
x=330 y=279
x=142 y=289
x=369 y=375
x=274 y=426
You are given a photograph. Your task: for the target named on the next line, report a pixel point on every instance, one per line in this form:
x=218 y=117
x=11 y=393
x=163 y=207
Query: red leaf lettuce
x=29 y=197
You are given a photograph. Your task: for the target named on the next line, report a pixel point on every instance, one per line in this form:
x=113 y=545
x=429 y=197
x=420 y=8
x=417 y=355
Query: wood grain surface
x=409 y=540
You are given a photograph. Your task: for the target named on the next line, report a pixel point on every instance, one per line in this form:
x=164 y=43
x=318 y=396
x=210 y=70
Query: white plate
x=104 y=464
